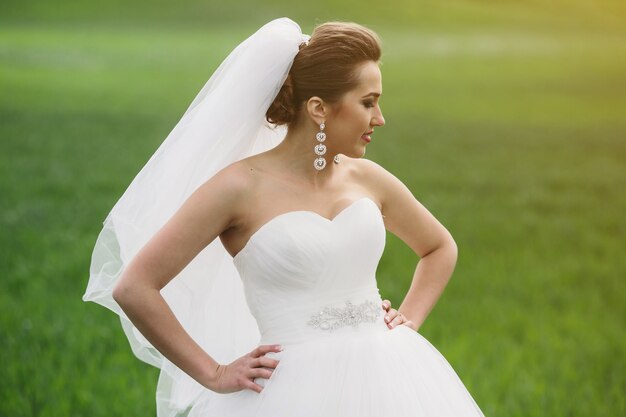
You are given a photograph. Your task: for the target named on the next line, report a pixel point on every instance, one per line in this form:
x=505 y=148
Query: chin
x=358 y=153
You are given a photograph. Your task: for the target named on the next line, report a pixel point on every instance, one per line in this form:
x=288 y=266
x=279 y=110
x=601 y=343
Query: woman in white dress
x=292 y=325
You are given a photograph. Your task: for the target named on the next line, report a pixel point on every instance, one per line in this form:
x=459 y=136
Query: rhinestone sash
x=346 y=312
x=331 y=318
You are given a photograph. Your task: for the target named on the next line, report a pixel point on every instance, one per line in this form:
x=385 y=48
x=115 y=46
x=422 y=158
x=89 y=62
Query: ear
x=317 y=109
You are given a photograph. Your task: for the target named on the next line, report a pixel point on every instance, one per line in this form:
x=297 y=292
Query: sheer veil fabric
x=224 y=123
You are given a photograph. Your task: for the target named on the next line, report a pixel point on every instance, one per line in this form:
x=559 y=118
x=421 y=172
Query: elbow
x=452 y=251
x=122 y=292
x=118 y=293
x=131 y=289
x=445 y=248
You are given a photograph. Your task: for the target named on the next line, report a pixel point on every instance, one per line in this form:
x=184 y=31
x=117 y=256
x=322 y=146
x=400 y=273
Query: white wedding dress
x=310 y=284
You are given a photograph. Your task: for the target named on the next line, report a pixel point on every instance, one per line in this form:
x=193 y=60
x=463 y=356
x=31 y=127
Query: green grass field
x=508 y=121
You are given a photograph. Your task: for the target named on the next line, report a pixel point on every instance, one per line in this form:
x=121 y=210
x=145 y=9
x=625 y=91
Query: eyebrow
x=372 y=94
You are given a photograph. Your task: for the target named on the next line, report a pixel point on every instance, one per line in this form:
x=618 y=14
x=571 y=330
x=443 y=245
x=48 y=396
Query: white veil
x=224 y=123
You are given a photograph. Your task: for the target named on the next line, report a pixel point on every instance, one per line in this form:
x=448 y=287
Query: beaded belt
x=331 y=318
x=339 y=313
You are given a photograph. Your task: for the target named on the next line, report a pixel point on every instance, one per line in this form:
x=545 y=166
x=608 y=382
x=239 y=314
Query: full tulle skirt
x=377 y=372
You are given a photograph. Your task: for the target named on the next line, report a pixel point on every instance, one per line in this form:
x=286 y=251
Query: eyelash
x=369 y=104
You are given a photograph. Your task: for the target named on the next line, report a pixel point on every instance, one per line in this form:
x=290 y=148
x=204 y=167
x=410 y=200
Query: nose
x=378 y=120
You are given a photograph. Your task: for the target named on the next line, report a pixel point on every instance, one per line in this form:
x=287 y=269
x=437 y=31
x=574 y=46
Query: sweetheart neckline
x=311 y=212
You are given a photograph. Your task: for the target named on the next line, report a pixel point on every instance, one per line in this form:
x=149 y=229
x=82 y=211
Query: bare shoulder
x=403 y=214
x=230 y=186
x=383 y=185
x=366 y=166
x=234 y=177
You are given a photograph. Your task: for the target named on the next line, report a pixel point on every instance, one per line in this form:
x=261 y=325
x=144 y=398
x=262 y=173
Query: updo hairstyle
x=325 y=68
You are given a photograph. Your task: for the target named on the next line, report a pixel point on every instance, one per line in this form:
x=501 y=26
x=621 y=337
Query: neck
x=296 y=155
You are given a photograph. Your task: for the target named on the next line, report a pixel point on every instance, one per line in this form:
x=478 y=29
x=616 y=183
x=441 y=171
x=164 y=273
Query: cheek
x=352 y=119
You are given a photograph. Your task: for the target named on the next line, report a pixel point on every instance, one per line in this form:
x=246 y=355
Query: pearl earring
x=320 y=149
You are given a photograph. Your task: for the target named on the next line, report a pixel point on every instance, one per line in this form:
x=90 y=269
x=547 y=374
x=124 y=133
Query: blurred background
x=507 y=120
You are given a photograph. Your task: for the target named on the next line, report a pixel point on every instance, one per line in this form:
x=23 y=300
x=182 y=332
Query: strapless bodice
x=308 y=276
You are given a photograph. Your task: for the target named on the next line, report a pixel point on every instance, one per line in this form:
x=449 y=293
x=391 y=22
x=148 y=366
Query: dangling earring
x=320 y=149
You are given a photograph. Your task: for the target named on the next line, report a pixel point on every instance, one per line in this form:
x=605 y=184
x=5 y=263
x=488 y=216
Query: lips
x=366 y=136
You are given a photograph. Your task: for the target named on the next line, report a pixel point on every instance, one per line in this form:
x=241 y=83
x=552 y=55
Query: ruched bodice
x=299 y=263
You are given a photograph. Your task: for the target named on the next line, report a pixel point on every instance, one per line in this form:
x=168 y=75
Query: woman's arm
x=211 y=209
x=408 y=219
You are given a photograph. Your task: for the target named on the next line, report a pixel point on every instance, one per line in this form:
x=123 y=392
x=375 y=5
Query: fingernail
x=386 y=318
x=279 y=347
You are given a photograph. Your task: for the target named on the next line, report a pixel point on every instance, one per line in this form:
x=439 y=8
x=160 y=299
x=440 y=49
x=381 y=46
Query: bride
x=280 y=316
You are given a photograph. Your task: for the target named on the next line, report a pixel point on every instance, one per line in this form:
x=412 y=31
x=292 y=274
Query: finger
x=253 y=386
x=260 y=373
x=263 y=361
x=266 y=362
x=263 y=349
x=398 y=319
x=386 y=305
x=391 y=314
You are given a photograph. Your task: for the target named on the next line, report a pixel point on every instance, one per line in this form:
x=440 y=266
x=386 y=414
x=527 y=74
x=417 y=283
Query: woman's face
x=355 y=116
